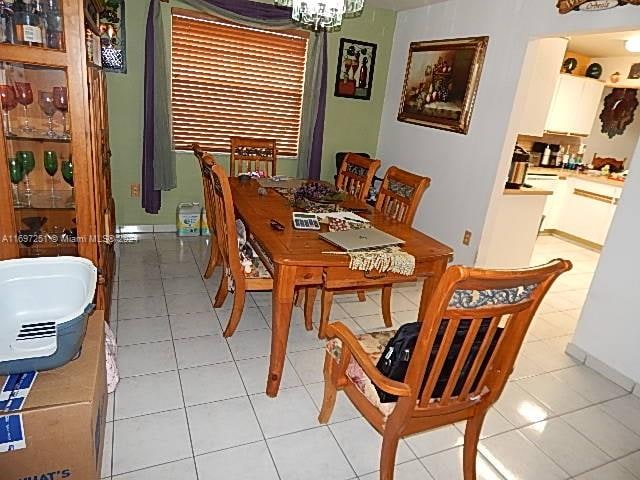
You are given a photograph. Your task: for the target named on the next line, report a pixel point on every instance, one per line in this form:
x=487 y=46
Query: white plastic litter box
x=44 y=306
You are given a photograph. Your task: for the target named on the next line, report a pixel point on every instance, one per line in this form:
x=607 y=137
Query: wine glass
x=67 y=173
x=16 y=174
x=25 y=98
x=45 y=100
x=61 y=102
x=51 y=167
x=28 y=161
x=9 y=102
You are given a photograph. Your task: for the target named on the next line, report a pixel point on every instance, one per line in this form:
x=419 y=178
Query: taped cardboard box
x=63 y=418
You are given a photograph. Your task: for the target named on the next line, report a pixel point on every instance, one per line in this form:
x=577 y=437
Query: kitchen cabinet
x=540 y=74
x=575 y=105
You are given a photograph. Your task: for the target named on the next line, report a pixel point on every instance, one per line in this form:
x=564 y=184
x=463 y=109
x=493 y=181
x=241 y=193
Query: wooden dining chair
x=234 y=276
x=253 y=155
x=469 y=337
x=207 y=186
x=399 y=197
x=356 y=175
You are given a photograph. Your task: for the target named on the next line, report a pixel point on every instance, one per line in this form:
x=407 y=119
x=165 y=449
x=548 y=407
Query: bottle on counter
x=545 y=157
x=7 y=26
x=28 y=23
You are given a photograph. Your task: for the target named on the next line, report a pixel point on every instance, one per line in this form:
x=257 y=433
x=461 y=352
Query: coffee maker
x=519 y=168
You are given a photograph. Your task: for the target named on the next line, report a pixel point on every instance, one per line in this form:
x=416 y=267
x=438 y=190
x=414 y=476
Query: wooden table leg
x=430 y=283
x=284 y=283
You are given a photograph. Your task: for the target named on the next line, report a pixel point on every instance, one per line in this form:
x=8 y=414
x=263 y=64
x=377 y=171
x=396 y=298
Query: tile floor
x=190 y=404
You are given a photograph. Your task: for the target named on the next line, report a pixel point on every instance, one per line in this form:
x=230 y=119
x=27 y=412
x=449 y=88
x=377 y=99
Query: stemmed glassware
x=28 y=161
x=25 y=98
x=9 y=102
x=61 y=102
x=51 y=167
x=67 y=173
x=16 y=174
x=45 y=100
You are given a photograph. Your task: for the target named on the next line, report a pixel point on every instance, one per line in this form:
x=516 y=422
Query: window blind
x=231 y=80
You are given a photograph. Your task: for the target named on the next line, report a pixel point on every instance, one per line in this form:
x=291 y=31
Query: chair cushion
x=373 y=344
x=258 y=269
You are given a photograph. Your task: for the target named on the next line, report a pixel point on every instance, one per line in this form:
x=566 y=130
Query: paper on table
x=342 y=216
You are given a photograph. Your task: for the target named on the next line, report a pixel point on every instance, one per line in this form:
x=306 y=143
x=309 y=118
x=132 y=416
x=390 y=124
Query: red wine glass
x=61 y=101
x=9 y=102
x=25 y=98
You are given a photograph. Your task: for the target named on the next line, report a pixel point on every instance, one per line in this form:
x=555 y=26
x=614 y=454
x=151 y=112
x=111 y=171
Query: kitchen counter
x=564 y=174
x=527 y=191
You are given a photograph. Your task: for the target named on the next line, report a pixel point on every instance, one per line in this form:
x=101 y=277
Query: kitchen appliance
x=549 y=154
x=45 y=303
x=519 y=168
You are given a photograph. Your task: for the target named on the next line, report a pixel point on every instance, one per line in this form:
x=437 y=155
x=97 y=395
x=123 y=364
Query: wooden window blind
x=230 y=80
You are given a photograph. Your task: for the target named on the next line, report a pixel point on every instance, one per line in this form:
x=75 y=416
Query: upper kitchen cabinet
x=575 y=105
x=538 y=82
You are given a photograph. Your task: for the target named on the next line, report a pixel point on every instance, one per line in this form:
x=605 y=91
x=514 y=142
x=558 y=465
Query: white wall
x=620 y=146
x=468 y=171
x=618 y=64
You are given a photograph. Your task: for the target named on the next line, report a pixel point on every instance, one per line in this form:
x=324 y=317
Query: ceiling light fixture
x=633 y=45
x=322 y=14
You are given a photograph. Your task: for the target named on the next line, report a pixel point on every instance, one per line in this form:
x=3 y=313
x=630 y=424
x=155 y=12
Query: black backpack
x=395 y=359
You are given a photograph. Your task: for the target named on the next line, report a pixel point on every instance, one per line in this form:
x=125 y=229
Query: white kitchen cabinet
x=538 y=82
x=575 y=105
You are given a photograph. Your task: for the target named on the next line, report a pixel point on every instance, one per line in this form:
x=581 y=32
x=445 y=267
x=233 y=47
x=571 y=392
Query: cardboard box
x=63 y=418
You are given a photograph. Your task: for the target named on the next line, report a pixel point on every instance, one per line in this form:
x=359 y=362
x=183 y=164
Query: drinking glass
x=16 y=174
x=28 y=161
x=25 y=98
x=51 y=167
x=67 y=173
x=9 y=102
x=61 y=102
x=45 y=100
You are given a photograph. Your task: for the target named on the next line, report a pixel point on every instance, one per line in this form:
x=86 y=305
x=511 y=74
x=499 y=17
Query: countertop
x=564 y=174
x=527 y=191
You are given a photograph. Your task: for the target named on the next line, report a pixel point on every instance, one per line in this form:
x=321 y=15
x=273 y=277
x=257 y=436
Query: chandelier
x=322 y=14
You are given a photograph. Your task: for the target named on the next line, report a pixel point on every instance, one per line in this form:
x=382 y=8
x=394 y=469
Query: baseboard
x=576 y=352
x=123 y=229
x=602 y=368
x=596 y=247
x=636 y=390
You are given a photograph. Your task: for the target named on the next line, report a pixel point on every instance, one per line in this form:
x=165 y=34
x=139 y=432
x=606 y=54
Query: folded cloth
x=387 y=259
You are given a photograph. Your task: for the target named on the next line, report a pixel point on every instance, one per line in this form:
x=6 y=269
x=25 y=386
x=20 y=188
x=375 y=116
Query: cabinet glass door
x=34 y=23
x=37 y=133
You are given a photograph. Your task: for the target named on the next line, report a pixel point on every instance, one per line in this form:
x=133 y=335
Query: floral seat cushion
x=373 y=344
x=258 y=269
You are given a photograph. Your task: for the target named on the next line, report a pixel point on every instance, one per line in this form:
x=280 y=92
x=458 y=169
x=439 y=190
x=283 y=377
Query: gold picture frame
x=441 y=83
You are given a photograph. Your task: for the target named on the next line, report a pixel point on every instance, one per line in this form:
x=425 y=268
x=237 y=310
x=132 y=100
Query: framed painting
x=354 y=74
x=441 y=82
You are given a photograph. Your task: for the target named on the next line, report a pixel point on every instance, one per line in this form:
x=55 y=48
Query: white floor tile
x=189 y=303
x=146 y=358
x=343 y=410
x=251 y=319
x=631 y=463
x=246 y=462
x=520 y=408
x=435 y=441
x=211 y=383
x=107 y=450
x=515 y=457
x=588 y=383
x=373 y=323
x=143 y=330
x=553 y=394
x=310 y=455
x=146 y=307
x=546 y=356
x=607 y=433
x=262 y=298
x=626 y=410
x=447 y=465
x=195 y=352
x=362 y=445
x=611 y=471
x=110 y=405
x=146 y=394
x=182 y=470
x=254 y=343
x=138 y=288
x=565 y=446
x=359 y=309
x=173 y=270
x=191 y=325
x=151 y=440
x=225 y=424
x=401 y=318
x=183 y=285
x=301 y=339
x=291 y=411
x=138 y=271
x=254 y=373
x=494 y=423
x=413 y=470
x=309 y=365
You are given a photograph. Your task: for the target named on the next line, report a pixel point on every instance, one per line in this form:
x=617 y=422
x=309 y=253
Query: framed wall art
x=113 y=37
x=441 y=82
x=354 y=74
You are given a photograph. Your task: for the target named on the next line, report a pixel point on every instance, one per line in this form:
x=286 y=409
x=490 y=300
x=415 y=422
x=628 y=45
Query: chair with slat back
x=484 y=315
x=400 y=194
x=225 y=227
x=356 y=174
x=214 y=255
x=253 y=155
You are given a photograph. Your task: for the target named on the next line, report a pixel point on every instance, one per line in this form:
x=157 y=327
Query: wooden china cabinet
x=55 y=176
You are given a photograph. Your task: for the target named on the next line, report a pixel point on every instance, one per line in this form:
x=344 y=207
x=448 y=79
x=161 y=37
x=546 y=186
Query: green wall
x=349 y=125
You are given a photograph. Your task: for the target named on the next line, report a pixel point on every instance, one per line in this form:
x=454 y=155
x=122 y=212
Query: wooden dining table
x=296 y=258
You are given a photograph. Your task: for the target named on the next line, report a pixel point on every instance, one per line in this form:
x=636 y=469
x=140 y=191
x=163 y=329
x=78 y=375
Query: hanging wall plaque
x=566 y=6
x=112 y=37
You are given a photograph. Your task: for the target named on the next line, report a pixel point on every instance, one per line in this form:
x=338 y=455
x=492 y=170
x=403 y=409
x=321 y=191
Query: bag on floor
x=396 y=356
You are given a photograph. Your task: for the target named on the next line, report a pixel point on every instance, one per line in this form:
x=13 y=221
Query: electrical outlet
x=135 y=190
x=466 y=240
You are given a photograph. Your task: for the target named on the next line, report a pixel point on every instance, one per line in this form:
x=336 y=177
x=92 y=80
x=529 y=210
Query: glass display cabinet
x=55 y=188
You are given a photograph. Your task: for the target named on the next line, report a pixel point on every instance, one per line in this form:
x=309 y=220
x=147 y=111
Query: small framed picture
x=354 y=74
x=634 y=72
